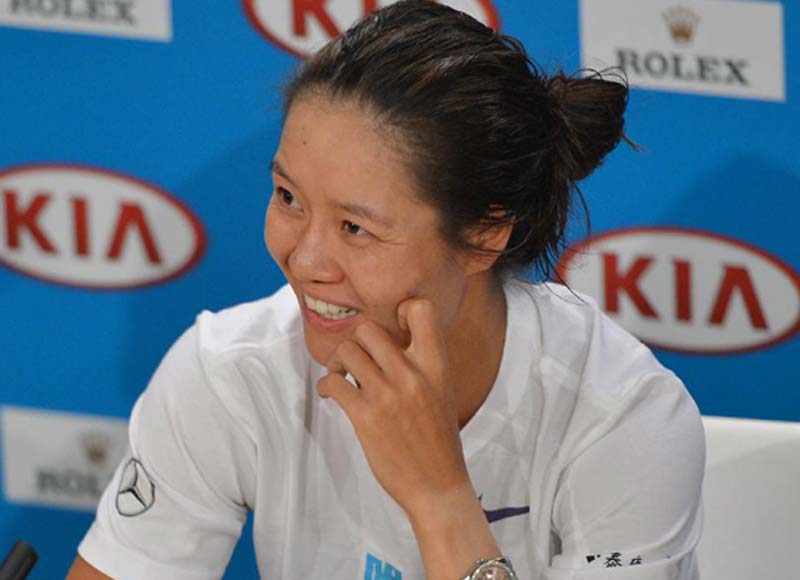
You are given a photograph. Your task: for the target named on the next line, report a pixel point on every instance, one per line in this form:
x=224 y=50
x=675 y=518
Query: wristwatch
x=494 y=569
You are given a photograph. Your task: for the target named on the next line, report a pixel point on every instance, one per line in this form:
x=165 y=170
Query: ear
x=487 y=236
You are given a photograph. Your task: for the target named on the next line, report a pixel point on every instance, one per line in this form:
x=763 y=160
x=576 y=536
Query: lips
x=333 y=302
x=327 y=324
x=324 y=323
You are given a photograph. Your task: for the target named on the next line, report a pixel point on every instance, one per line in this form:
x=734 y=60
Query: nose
x=313 y=258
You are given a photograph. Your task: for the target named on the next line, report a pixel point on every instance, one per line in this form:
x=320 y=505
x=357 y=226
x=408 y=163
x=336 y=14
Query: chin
x=319 y=350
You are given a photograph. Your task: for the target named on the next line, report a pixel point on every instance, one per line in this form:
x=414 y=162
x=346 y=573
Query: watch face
x=494 y=571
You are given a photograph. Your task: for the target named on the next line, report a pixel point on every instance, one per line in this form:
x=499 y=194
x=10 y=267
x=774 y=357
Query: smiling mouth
x=327 y=310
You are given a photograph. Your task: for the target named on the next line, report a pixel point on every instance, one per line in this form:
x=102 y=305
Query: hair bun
x=589 y=119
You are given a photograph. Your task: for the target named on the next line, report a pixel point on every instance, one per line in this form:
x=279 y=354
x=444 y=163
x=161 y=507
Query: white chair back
x=751 y=496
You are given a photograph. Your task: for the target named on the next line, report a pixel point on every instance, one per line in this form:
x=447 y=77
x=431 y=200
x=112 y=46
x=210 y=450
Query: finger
x=383 y=349
x=419 y=316
x=336 y=387
x=350 y=357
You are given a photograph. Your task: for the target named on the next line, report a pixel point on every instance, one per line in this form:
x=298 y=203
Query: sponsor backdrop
x=136 y=140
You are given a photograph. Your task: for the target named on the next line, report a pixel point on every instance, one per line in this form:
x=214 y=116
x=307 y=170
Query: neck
x=475 y=344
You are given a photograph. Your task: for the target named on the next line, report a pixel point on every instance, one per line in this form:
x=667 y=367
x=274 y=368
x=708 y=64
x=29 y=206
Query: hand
x=404 y=412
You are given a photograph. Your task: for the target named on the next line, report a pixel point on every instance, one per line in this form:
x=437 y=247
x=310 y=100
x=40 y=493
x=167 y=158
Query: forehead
x=337 y=150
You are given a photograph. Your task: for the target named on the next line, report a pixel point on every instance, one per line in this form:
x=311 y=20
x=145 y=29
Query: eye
x=286 y=197
x=355 y=229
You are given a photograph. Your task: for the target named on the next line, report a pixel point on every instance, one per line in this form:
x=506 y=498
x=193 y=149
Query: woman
x=405 y=407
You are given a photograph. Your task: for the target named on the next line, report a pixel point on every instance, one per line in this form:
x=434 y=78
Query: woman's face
x=346 y=226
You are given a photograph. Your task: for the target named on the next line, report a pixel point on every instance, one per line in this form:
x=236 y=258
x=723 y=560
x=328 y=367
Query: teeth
x=332 y=311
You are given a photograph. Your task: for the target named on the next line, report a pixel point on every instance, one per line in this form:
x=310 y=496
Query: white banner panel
x=143 y=19
x=715 y=47
x=59 y=459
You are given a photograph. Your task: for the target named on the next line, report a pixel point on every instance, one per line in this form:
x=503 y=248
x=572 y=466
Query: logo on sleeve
x=137 y=493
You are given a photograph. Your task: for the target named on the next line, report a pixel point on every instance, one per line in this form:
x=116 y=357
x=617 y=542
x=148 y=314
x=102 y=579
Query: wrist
x=452 y=533
x=433 y=511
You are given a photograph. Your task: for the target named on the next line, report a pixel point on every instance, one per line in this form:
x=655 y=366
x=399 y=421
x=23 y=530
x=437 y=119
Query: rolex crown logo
x=682 y=24
x=95 y=446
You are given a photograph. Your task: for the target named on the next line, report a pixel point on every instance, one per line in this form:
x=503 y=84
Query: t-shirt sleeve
x=629 y=504
x=177 y=502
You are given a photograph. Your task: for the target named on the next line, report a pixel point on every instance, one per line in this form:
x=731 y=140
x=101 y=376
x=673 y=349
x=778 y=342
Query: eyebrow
x=276 y=168
x=353 y=208
x=365 y=212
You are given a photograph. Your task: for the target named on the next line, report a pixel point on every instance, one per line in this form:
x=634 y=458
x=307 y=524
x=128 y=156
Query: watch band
x=494 y=569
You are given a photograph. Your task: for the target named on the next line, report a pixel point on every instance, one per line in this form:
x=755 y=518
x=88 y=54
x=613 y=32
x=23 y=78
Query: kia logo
x=688 y=290
x=94 y=228
x=302 y=26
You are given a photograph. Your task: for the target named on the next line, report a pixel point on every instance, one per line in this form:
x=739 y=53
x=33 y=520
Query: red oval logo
x=687 y=290
x=93 y=228
x=302 y=26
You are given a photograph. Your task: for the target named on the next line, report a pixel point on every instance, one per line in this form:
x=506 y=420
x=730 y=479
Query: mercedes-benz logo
x=136 y=492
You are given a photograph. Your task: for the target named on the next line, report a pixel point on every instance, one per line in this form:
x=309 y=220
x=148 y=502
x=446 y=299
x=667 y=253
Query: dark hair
x=489 y=136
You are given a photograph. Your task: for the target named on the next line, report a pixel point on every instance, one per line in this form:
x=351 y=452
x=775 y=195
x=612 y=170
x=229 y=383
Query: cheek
x=436 y=277
x=384 y=282
x=278 y=236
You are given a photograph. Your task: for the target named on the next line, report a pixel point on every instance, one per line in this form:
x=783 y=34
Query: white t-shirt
x=587 y=455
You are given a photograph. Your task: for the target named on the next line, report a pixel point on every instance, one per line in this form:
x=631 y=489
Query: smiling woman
x=334 y=173
x=408 y=405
